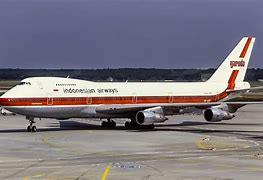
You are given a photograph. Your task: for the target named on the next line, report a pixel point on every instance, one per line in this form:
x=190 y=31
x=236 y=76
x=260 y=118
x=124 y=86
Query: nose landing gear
x=31 y=127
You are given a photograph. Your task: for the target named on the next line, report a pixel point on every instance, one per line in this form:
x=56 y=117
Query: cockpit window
x=24 y=83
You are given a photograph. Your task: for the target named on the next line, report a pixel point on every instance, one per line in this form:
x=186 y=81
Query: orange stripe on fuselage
x=60 y=101
x=232 y=79
x=244 y=51
x=73 y=101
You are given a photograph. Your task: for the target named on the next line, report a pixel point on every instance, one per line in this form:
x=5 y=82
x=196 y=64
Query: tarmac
x=184 y=147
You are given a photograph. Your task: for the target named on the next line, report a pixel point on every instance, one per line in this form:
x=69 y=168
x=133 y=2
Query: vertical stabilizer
x=236 y=62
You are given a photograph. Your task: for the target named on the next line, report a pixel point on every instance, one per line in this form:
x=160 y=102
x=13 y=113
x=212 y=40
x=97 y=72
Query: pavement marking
x=20 y=160
x=210 y=144
x=45 y=140
x=35 y=176
x=201 y=144
x=106 y=172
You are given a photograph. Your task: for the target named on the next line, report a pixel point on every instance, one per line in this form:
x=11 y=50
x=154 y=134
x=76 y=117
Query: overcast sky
x=126 y=33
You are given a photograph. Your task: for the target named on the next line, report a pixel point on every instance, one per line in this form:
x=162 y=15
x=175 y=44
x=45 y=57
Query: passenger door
x=49 y=100
x=89 y=100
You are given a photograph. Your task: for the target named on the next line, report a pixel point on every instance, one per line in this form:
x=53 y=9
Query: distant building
x=110 y=79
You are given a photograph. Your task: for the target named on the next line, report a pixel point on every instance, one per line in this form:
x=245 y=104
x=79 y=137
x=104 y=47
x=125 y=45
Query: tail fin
x=236 y=62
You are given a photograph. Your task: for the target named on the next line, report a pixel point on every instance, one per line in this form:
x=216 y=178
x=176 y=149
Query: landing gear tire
x=127 y=125
x=34 y=129
x=103 y=124
x=131 y=125
x=108 y=124
x=113 y=124
x=28 y=129
x=31 y=127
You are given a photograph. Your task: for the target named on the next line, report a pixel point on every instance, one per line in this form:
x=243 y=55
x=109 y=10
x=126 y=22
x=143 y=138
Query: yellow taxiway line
x=106 y=172
x=36 y=176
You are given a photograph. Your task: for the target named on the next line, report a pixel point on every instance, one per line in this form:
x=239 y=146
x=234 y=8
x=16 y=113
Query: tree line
x=123 y=74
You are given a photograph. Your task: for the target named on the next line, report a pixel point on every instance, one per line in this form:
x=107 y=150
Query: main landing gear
x=31 y=127
x=109 y=123
x=131 y=125
x=134 y=125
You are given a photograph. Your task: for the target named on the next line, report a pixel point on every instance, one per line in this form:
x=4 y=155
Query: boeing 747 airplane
x=144 y=103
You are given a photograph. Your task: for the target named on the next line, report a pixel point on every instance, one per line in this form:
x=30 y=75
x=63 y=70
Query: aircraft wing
x=246 y=90
x=255 y=88
x=244 y=102
x=169 y=108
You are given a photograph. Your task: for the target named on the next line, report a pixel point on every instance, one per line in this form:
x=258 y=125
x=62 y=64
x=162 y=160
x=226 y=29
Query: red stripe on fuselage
x=244 y=51
x=232 y=79
x=60 y=101
x=73 y=101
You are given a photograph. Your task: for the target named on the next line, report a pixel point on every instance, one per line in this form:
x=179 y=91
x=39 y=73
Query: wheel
x=104 y=124
x=29 y=129
x=131 y=125
x=34 y=129
x=127 y=125
x=113 y=124
x=4 y=113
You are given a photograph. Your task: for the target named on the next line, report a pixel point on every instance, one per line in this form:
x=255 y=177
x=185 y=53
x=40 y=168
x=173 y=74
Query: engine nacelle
x=150 y=116
x=216 y=115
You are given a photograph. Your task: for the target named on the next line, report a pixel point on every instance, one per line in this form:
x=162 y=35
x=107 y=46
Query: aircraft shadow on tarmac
x=64 y=126
x=186 y=126
x=201 y=128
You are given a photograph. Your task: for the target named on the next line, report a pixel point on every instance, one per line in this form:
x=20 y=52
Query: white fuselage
x=63 y=98
x=145 y=103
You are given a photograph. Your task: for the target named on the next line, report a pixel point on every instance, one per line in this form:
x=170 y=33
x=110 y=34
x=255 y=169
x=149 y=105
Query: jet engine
x=216 y=115
x=150 y=116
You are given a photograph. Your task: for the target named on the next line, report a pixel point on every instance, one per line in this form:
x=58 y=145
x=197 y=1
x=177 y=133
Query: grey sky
x=126 y=33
